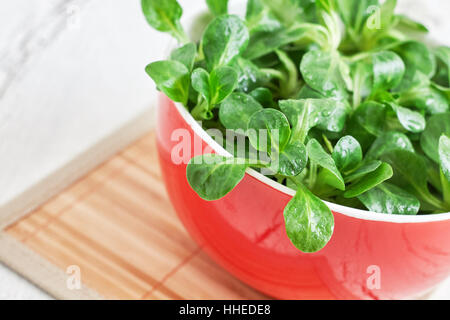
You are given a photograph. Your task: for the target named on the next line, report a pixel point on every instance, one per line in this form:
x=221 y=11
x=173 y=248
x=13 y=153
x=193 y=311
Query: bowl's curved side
x=244 y=232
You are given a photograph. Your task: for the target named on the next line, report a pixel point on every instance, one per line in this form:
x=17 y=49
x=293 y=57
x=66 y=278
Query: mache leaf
x=437 y=125
x=320 y=157
x=217 y=7
x=224 y=39
x=292 y=160
x=235 y=112
x=269 y=131
x=186 y=55
x=390 y=199
x=388 y=70
x=309 y=222
x=214 y=87
x=365 y=168
x=347 y=153
x=212 y=176
x=321 y=71
x=444 y=155
x=411 y=120
x=369 y=181
x=410 y=174
x=164 y=16
x=304 y=114
x=388 y=141
x=172 y=78
x=259 y=17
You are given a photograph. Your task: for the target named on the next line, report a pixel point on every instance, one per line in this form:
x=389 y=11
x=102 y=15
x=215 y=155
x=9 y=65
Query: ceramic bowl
x=370 y=256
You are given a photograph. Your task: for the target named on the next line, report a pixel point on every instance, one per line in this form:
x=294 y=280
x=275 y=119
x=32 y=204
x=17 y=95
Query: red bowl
x=370 y=256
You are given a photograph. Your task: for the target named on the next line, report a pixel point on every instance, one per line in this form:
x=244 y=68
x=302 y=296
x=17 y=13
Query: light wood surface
x=118 y=226
x=73 y=91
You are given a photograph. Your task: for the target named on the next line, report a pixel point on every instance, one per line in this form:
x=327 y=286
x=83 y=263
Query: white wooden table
x=73 y=91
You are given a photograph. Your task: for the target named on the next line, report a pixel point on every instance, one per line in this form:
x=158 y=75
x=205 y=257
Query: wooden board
x=117 y=225
x=77 y=112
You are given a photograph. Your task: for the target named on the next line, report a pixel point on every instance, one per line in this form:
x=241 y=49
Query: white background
x=72 y=72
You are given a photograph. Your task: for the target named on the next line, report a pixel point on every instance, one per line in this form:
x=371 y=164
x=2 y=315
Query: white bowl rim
x=346 y=211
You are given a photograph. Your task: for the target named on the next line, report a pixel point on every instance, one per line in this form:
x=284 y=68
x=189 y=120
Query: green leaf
x=388 y=70
x=236 y=111
x=289 y=83
x=292 y=160
x=367 y=123
x=362 y=73
x=389 y=141
x=165 y=16
x=444 y=91
x=290 y=12
x=260 y=18
x=410 y=25
x=327 y=16
x=212 y=176
x=320 y=157
x=443 y=56
x=347 y=153
x=218 y=7
x=444 y=156
x=214 y=87
x=410 y=174
x=222 y=82
x=224 y=39
x=372 y=117
x=249 y=75
x=416 y=55
x=384 y=16
x=263 y=43
x=269 y=131
x=309 y=222
x=263 y=96
x=321 y=71
x=200 y=83
x=326 y=114
x=390 y=199
x=412 y=80
x=408 y=169
x=298 y=113
x=365 y=168
x=306 y=92
x=411 y=120
x=445 y=188
x=355 y=13
x=420 y=67
x=172 y=78
x=437 y=125
x=426 y=98
x=186 y=55
x=371 y=180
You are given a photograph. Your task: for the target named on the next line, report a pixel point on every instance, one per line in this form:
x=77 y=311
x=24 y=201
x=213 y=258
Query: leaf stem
x=432 y=200
x=312 y=175
x=200 y=110
x=273 y=73
x=179 y=33
x=290 y=82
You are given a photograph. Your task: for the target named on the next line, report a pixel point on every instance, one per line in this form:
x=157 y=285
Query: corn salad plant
x=356 y=106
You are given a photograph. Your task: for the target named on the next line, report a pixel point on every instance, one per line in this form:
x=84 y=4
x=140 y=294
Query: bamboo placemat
x=118 y=227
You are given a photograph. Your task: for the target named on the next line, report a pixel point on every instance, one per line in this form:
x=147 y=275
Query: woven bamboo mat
x=116 y=228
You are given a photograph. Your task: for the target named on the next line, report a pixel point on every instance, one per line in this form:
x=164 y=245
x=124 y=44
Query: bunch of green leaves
x=338 y=100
